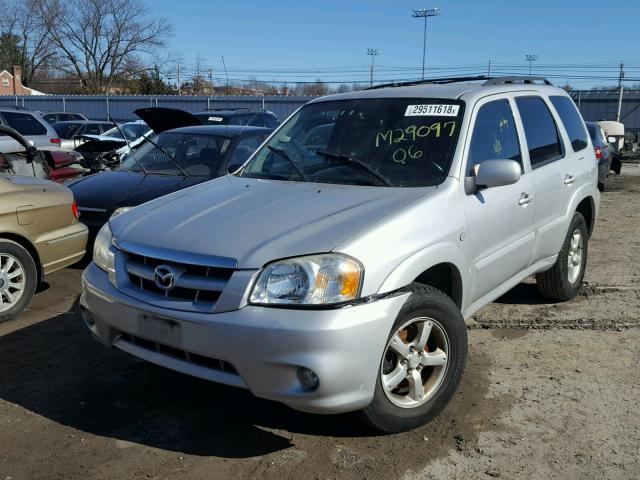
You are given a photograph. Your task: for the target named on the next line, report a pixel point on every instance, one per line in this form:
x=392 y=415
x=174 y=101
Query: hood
x=110 y=190
x=161 y=119
x=256 y=221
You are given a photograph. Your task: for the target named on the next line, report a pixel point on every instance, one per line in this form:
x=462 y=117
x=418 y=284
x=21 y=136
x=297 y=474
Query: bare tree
x=100 y=41
x=23 y=19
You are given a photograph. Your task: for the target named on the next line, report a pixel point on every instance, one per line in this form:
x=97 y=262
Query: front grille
x=197 y=287
x=196 y=359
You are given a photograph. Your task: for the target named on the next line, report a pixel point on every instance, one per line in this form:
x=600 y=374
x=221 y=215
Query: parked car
x=55 y=117
x=71 y=132
x=334 y=270
x=614 y=132
x=105 y=152
x=603 y=150
x=239 y=116
x=47 y=162
x=39 y=234
x=29 y=124
x=182 y=158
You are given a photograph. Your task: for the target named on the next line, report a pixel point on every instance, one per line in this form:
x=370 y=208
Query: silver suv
x=334 y=270
x=30 y=125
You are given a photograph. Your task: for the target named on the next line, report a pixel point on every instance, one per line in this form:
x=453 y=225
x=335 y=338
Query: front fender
x=412 y=266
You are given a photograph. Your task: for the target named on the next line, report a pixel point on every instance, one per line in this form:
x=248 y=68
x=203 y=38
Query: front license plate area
x=159 y=329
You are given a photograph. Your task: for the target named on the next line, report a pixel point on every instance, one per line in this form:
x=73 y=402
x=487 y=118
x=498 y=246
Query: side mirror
x=233 y=167
x=497 y=173
x=612 y=139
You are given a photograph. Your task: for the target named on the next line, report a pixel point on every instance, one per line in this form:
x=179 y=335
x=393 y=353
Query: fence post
x=64 y=104
x=107 y=108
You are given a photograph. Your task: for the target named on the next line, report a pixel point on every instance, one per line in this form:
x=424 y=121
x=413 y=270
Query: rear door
x=500 y=218
x=553 y=161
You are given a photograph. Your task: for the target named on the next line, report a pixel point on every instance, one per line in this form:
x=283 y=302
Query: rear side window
x=540 y=130
x=572 y=121
x=239 y=120
x=92 y=129
x=24 y=123
x=494 y=135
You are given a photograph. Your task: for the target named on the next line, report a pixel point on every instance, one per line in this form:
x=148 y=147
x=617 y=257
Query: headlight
x=101 y=247
x=120 y=211
x=311 y=280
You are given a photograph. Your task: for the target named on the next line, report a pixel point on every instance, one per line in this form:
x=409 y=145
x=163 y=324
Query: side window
x=540 y=130
x=258 y=121
x=572 y=121
x=92 y=129
x=494 y=135
x=24 y=123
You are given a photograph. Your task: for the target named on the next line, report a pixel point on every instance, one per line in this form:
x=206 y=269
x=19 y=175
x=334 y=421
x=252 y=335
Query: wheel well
x=586 y=208
x=28 y=246
x=446 y=278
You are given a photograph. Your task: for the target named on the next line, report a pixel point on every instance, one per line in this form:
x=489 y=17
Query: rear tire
x=602 y=186
x=18 y=279
x=420 y=382
x=564 y=279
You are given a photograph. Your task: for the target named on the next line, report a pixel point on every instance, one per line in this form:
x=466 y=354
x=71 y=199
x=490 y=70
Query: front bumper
x=257 y=348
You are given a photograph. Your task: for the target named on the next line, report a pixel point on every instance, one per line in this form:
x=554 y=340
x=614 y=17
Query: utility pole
x=179 y=90
x=489 y=69
x=373 y=52
x=620 y=92
x=211 y=78
x=530 y=58
x=425 y=13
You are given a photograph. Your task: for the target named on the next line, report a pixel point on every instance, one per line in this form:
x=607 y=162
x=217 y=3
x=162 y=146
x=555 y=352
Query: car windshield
x=65 y=130
x=394 y=142
x=197 y=155
x=130 y=130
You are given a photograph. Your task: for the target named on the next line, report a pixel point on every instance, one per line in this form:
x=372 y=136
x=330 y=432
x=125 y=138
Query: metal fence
x=121 y=107
x=594 y=105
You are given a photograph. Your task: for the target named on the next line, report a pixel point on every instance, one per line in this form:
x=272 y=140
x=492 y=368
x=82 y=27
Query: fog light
x=308 y=379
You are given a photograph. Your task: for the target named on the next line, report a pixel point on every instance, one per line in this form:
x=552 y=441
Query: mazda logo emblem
x=164 y=277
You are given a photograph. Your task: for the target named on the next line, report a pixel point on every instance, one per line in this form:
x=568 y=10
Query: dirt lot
x=550 y=391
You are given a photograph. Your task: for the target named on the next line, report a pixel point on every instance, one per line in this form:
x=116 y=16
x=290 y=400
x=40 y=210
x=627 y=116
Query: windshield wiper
x=286 y=156
x=171 y=157
x=346 y=159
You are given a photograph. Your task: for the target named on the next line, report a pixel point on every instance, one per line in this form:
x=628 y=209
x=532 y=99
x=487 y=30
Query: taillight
x=598 y=150
x=74 y=209
x=55 y=140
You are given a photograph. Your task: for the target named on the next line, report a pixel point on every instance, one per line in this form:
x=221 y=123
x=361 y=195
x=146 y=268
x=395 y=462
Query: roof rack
x=487 y=81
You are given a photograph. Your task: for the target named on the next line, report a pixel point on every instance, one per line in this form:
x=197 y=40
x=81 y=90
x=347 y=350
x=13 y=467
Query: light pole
x=425 y=13
x=373 y=52
x=530 y=58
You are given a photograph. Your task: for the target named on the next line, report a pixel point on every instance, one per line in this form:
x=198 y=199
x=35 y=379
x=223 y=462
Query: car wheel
x=616 y=166
x=18 y=278
x=564 y=279
x=422 y=363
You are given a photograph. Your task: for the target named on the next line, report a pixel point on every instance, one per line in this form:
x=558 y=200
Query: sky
x=301 y=41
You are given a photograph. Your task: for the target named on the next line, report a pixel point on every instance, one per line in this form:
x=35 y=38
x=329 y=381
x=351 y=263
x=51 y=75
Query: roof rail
x=526 y=80
x=444 y=80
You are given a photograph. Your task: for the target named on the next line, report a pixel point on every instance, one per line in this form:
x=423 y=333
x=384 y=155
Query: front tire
x=422 y=364
x=18 y=279
x=564 y=279
x=616 y=165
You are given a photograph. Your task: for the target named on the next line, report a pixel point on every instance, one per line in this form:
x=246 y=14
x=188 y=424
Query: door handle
x=569 y=179
x=524 y=199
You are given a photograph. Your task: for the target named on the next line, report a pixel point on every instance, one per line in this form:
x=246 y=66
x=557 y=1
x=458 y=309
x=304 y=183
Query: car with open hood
x=39 y=234
x=334 y=270
x=174 y=159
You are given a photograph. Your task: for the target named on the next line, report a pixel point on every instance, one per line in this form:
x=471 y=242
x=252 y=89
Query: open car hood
x=161 y=119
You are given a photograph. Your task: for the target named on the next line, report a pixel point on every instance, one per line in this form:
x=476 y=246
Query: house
x=11 y=84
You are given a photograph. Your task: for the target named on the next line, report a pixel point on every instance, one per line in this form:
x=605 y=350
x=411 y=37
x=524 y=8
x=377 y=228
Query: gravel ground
x=550 y=391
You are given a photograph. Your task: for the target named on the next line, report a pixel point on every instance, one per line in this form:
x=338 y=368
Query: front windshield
x=197 y=155
x=130 y=130
x=395 y=142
